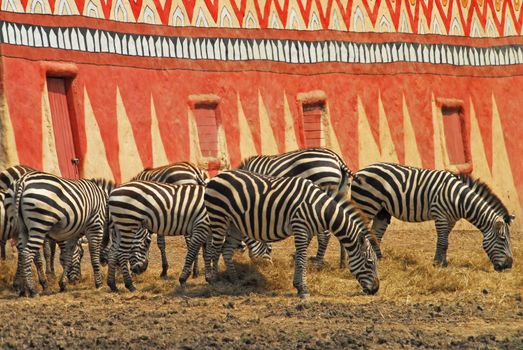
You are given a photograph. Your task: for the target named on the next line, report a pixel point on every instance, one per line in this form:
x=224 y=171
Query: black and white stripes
x=411 y=194
x=250 y=49
x=49 y=206
x=162 y=208
x=271 y=209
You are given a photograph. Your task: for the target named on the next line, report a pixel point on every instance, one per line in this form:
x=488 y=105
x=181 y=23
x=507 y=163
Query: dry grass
x=406 y=272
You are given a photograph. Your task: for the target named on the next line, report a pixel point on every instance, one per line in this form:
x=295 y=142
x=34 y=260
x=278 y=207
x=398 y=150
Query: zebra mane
x=486 y=193
x=107 y=185
x=245 y=161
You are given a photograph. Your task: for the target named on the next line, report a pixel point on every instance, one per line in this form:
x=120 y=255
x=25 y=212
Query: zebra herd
x=267 y=199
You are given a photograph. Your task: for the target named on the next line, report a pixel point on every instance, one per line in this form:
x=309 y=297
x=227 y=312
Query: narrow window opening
x=453 y=124
x=205 y=113
x=312 y=123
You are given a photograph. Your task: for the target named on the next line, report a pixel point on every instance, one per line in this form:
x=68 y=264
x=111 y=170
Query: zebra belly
x=60 y=236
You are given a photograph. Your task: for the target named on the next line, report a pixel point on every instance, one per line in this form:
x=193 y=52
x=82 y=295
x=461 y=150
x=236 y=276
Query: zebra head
x=497 y=243
x=75 y=271
x=363 y=263
x=139 y=259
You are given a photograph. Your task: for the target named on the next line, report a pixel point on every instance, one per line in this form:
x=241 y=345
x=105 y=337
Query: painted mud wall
x=133 y=85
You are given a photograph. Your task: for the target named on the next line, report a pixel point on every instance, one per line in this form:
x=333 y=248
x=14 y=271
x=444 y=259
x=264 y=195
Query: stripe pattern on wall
x=248 y=49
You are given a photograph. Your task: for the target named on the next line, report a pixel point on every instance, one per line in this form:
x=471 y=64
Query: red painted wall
x=170 y=82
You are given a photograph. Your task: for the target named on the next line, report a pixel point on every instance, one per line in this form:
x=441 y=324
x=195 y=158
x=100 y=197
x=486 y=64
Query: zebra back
x=10 y=175
x=162 y=208
x=82 y=199
x=182 y=173
x=322 y=166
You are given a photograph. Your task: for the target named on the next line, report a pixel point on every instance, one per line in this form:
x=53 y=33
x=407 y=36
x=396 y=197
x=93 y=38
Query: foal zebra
x=182 y=173
x=411 y=194
x=162 y=208
x=45 y=205
x=271 y=209
x=322 y=166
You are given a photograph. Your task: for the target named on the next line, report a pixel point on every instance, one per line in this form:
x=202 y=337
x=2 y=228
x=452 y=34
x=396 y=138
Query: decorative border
x=474 y=18
x=291 y=51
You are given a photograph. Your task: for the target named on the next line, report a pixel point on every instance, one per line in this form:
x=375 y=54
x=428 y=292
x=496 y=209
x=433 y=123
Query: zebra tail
x=106 y=238
x=15 y=209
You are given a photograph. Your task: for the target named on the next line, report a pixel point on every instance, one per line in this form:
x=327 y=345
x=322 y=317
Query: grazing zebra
x=322 y=166
x=410 y=194
x=182 y=173
x=7 y=178
x=271 y=209
x=45 y=205
x=162 y=208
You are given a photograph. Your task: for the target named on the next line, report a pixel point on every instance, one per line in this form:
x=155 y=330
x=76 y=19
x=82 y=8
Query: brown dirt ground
x=467 y=305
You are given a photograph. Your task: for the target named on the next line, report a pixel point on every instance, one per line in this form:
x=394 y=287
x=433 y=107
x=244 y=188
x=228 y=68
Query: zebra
x=271 y=209
x=162 y=208
x=322 y=166
x=46 y=205
x=7 y=178
x=411 y=194
x=181 y=173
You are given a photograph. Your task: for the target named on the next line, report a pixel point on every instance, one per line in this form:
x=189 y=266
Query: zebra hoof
x=304 y=295
x=163 y=276
x=112 y=286
x=443 y=263
x=195 y=274
x=131 y=288
x=62 y=287
x=317 y=262
x=303 y=292
x=32 y=293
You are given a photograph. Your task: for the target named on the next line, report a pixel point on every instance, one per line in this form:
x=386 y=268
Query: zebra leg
x=301 y=242
x=323 y=243
x=218 y=240
x=380 y=222
x=195 y=270
x=343 y=257
x=160 y=241
x=123 y=261
x=18 y=282
x=443 y=228
x=207 y=257
x=38 y=261
x=198 y=238
x=228 y=251
x=94 y=240
x=49 y=254
x=125 y=240
x=112 y=249
x=65 y=258
x=28 y=254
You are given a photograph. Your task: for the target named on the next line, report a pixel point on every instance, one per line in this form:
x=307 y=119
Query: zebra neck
x=477 y=211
